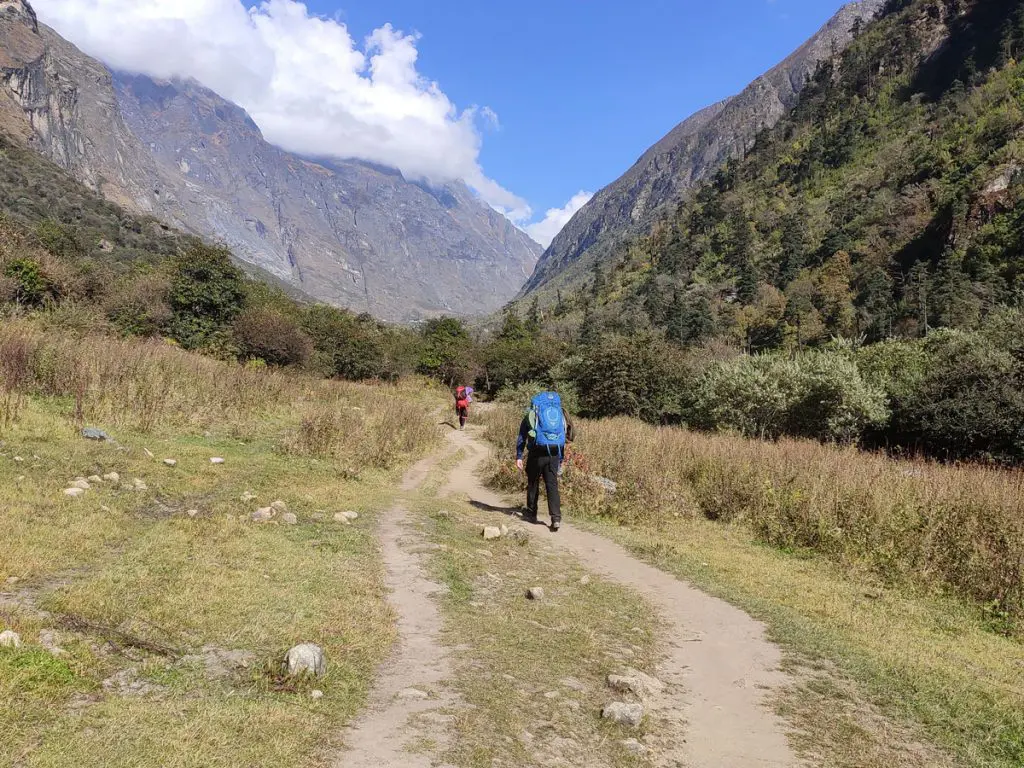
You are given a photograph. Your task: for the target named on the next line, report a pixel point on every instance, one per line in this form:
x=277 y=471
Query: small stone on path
x=10 y=639
x=535 y=593
x=413 y=693
x=491 y=532
x=307 y=658
x=623 y=714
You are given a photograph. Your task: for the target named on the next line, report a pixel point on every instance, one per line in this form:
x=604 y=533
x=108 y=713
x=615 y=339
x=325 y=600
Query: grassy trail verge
x=154 y=615
x=890 y=673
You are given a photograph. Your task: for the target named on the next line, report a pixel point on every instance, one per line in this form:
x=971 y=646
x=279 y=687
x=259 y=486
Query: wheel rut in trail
x=717 y=655
x=398 y=715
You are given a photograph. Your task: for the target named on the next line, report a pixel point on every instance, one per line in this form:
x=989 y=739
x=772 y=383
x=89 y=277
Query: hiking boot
x=529 y=517
x=555 y=525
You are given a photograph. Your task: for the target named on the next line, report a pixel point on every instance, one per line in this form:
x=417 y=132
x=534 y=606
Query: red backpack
x=461 y=398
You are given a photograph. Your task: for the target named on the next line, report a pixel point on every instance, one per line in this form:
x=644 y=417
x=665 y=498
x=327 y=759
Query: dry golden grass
x=878 y=578
x=956 y=529
x=133 y=564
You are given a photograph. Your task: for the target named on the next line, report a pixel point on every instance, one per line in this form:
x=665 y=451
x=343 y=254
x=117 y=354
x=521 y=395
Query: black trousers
x=540 y=465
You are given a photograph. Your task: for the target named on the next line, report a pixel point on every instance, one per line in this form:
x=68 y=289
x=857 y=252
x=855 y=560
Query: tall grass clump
x=958 y=529
x=376 y=426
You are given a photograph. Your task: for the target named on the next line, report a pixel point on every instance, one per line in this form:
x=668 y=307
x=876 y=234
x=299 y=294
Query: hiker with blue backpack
x=543 y=435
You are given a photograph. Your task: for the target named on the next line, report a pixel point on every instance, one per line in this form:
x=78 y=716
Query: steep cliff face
x=691 y=153
x=344 y=232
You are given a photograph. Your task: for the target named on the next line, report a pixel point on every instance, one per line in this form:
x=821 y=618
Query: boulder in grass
x=289 y=518
x=171 y=462
x=112 y=477
x=624 y=714
x=91 y=433
x=264 y=515
x=491 y=532
x=306 y=659
x=535 y=593
x=10 y=639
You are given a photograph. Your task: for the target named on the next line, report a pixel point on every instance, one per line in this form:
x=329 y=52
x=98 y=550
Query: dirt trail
x=718 y=655
x=408 y=698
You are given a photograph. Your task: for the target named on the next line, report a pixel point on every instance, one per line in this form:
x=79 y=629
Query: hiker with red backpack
x=543 y=435
x=463 y=397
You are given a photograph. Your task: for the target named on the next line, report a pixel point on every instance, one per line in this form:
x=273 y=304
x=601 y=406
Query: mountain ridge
x=689 y=154
x=343 y=231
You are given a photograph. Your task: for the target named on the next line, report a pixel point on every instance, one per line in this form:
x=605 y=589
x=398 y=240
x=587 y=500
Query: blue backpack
x=547 y=422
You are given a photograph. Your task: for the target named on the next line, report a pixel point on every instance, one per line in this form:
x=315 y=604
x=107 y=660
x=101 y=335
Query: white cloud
x=544 y=231
x=310 y=87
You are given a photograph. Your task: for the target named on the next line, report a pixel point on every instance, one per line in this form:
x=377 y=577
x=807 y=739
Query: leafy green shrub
x=817 y=394
x=140 y=305
x=272 y=336
x=207 y=293
x=641 y=376
x=31 y=286
x=968 y=405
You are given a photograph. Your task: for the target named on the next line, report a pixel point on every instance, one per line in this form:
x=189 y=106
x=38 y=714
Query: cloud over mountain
x=307 y=83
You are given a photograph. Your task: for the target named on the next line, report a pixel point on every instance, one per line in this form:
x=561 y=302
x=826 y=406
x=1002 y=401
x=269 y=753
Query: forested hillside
x=883 y=208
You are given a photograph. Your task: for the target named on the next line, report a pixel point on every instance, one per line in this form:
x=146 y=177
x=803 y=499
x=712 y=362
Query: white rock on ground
x=634 y=747
x=339 y=517
x=263 y=515
x=94 y=479
x=413 y=693
x=112 y=477
x=81 y=483
x=171 y=462
x=350 y=515
x=216 y=460
x=289 y=519
x=637 y=683
x=10 y=639
x=307 y=658
x=623 y=714
x=535 y=593
x=316 y=694
x=491 y=532
x=74 y=492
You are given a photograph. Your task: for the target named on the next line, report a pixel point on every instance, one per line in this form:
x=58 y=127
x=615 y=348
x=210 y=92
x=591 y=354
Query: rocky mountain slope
x=691 y=153
x=345 y=232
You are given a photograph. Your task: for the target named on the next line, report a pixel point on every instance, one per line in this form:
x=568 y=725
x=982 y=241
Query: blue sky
x=582 y=88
